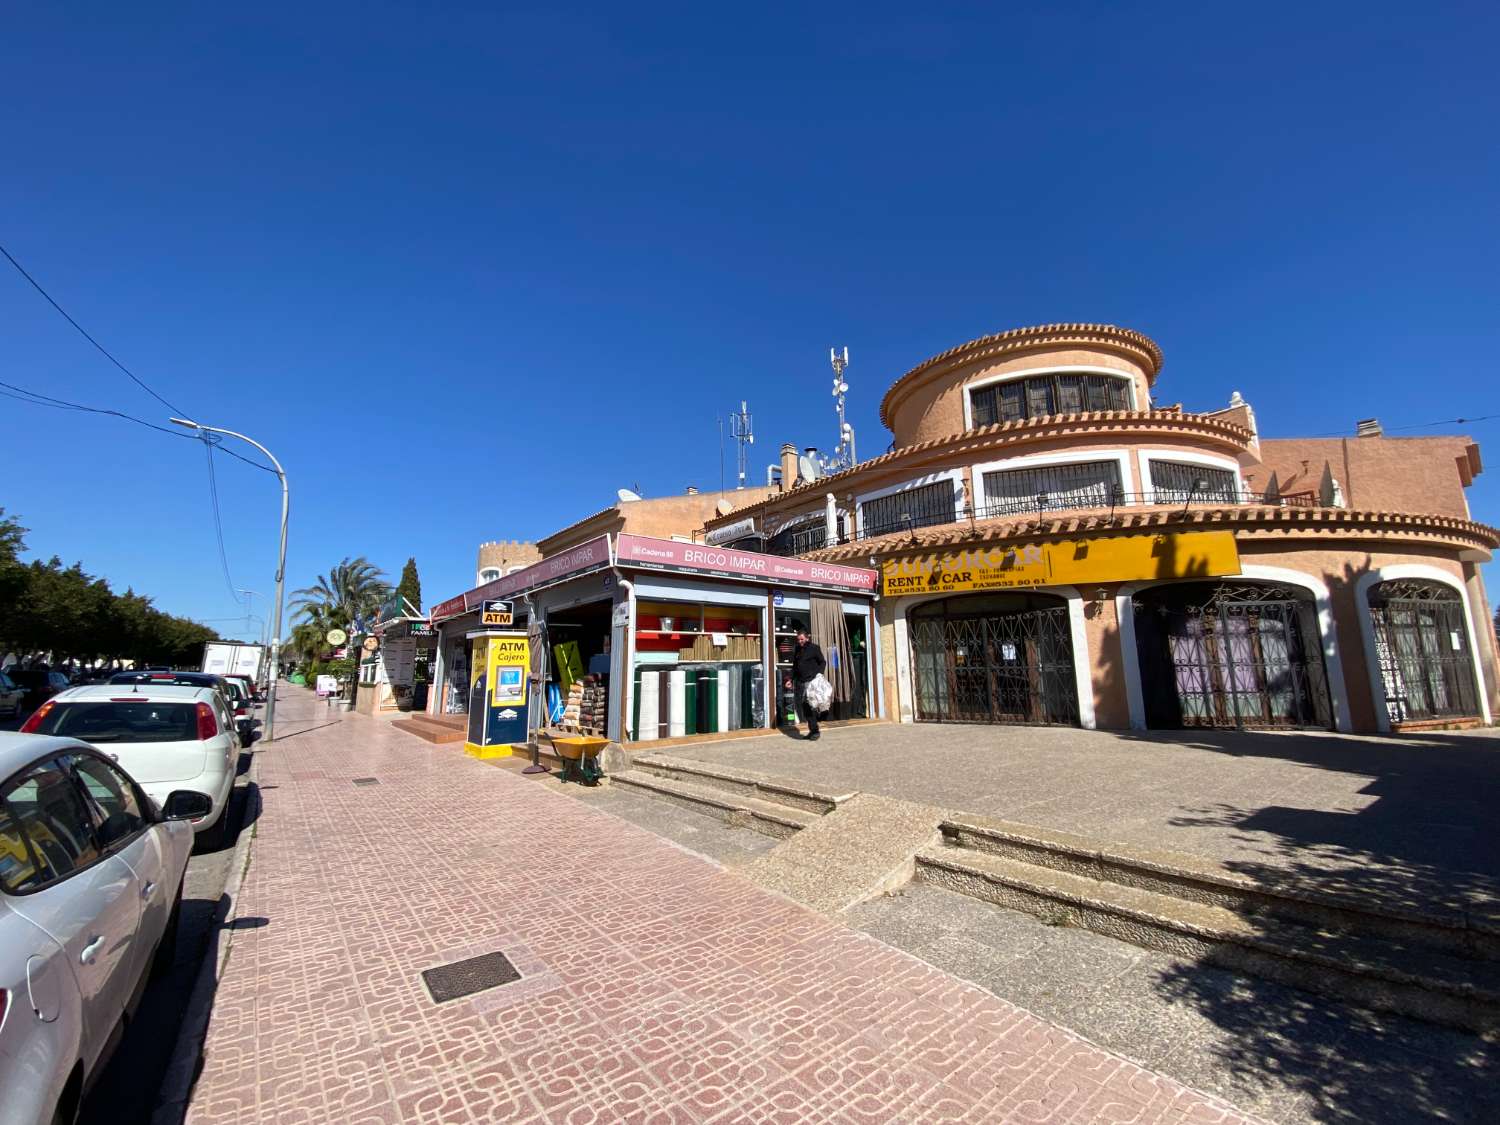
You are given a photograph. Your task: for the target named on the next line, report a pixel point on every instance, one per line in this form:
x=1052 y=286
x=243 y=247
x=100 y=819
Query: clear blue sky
x=468 y=270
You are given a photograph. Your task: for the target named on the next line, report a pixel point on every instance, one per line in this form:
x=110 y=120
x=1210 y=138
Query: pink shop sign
x=699 y=558
x=585 y=557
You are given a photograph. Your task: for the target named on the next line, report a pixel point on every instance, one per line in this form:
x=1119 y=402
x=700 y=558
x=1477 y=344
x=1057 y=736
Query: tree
x=410 y=586
x=352 y=591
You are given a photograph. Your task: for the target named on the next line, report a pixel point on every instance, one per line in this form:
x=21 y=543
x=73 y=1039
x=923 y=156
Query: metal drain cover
x=464 y=978
x=367 y=781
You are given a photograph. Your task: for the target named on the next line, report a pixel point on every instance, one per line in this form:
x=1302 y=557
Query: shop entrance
x=455 y=687
x=1004 y=658
x=1220 y=654
x=577 y=694
x=1422 y=643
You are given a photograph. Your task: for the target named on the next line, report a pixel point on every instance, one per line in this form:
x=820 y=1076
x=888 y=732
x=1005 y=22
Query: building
x=1056 y=547
x=501 y=557
x=679 y=637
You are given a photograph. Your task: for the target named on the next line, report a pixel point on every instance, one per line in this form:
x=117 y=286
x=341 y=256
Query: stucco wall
x=935 y=409
x=1376 y=473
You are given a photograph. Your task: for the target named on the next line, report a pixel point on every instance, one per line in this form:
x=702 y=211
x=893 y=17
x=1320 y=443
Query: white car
x=167 y=738
x=91 y=879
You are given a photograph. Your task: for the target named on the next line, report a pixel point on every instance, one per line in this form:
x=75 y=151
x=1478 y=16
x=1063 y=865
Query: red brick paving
x=656 y=987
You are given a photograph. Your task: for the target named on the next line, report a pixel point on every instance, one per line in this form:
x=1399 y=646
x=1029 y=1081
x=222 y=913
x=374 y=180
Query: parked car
x=168 y=737
x=256 y=694
x=243 y=706
x=12 y=695
x=91 y=876
x=39 y=684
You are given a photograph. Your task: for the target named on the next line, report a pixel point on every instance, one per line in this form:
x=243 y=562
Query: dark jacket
x=807 y=662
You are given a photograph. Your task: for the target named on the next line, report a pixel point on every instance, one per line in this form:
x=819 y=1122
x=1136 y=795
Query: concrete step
x=429 y=729
x=1372 y=971
x=1444 y=929
x=766 y=817
x=741 y=783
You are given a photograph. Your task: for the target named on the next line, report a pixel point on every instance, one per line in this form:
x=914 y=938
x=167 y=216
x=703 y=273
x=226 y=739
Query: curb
x=182 y=1072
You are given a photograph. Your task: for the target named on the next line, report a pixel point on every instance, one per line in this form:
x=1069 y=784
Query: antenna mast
x=844 y=458
x=740 y=427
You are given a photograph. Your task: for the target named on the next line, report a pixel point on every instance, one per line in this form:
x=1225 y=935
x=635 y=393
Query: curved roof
x=1141 y=347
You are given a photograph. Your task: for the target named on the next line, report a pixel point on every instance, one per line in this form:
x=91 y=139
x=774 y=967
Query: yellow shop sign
x=1124 y=558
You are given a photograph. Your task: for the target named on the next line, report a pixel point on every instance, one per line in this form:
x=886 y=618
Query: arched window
x=1056 y=392
x=488 y=574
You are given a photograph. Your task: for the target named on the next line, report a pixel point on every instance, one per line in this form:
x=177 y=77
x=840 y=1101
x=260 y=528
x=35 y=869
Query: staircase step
x=1443 y=928
x=766 y=817
x=1372 y=971
x=776 y=790
x=430 y=731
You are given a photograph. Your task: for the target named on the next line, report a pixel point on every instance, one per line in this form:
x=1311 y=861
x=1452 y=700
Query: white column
x=831 y=519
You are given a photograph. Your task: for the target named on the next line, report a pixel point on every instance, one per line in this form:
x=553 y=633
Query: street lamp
x=249 y=607
x=275 y=673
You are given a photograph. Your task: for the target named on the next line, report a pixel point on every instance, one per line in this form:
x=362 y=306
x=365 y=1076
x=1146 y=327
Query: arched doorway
x=1230 y=654
x=1422 y=648
x=994 y=658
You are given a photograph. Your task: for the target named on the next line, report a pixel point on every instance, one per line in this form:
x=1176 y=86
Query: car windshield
x=110 y=721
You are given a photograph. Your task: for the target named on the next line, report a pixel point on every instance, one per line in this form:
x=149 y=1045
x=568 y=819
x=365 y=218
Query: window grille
x=1089 y=484
x=1176 y=483
x=1069 y=392
x=915 y=507
x=1422 y=645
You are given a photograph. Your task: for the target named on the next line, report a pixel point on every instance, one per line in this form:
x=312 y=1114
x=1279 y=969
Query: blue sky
x=469 y=268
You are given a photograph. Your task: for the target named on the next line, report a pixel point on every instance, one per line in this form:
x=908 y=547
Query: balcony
x=1041 y=504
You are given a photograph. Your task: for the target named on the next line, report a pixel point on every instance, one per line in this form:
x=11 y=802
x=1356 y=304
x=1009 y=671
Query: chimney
x=1368 y=427
x=692 y=490
x=788 y=467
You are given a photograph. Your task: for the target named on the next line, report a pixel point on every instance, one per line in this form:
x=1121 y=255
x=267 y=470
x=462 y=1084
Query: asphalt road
x=127 y=1090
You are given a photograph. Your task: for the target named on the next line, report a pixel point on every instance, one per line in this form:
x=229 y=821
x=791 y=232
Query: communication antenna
x=627 y=495
x=740 y=427
x=843 y=456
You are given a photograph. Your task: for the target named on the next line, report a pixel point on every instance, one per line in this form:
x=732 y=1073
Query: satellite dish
x=723 y=507
x=807 y=468
x=626 y=496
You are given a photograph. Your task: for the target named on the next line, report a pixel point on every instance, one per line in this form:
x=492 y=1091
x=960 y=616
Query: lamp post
x=249 y=607
x=275 y=672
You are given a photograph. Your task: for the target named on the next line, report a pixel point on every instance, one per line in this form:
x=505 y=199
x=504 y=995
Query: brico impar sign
x=1125 y=558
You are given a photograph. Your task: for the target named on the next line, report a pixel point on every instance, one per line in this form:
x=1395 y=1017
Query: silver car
x=91 y=877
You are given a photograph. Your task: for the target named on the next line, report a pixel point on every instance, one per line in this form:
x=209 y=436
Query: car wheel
x=166 y=949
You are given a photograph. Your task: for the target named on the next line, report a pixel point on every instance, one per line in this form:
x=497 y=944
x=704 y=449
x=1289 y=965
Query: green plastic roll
x=713 y=703
x=691 y=705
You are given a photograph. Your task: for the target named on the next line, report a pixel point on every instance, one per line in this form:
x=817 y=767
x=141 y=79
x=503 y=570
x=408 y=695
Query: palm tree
x=352 y=590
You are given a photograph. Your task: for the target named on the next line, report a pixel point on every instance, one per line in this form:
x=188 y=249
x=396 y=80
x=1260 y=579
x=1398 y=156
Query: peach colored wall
x=660 y=517
x=935 y=408
x=1376 y=473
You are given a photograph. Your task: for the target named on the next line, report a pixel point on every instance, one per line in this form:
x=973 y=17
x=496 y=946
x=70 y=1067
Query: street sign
x=495 y=612
x=337 y=637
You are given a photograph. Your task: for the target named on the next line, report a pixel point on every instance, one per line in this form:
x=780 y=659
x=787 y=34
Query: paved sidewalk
x=657 y=986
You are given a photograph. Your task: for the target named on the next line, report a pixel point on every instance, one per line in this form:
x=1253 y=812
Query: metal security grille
x=1089 y=484
x=994 y=667
x=915 y=507
x=1074 y=392
x=464 y=978
x=1422 y=643
x=1176 y=483
x=1230 y=656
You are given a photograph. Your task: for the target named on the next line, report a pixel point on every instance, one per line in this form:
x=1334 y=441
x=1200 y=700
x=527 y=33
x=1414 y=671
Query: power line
x=36 y=398
x=1417 y=426
x=213 y=492
x=84 y=333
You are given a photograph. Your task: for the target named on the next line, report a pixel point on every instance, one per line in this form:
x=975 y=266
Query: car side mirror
x=185 y=804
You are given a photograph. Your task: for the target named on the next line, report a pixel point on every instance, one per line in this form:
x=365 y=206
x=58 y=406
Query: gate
x=974 y=664
x=1422 y=644
x=1230 y=656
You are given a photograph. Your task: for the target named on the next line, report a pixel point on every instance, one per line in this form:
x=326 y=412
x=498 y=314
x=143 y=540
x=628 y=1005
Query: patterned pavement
x=656 y=986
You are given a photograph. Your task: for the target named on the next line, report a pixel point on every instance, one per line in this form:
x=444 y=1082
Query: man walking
x=807 y=662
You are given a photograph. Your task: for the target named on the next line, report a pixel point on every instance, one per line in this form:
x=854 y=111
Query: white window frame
x=1185 y=457
x=1042 y=460
x=1064 y=369
x=488 y=574
x=954 y=475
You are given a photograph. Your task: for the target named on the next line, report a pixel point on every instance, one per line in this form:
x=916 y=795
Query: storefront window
x=698 y=669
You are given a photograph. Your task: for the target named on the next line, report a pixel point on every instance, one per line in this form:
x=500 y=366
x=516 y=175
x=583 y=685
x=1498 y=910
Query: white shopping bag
x=818 y=693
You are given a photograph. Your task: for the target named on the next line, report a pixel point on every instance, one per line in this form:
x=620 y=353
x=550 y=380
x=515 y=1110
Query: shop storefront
x=708 y=634
x=999 y=634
